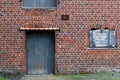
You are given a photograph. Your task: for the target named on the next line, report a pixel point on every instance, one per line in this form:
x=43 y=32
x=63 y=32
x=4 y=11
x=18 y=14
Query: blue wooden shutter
x=28 y=3
x=112 y=39
x=91 y=39
x=51 y=3
x=40 y=3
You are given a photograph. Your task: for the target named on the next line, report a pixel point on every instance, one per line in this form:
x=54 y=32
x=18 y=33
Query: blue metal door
x=40 y=52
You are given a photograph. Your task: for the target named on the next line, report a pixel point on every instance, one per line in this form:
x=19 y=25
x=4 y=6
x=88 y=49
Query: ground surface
x=97 y=76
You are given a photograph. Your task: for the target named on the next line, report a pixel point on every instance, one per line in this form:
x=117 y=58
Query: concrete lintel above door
x=30 y=29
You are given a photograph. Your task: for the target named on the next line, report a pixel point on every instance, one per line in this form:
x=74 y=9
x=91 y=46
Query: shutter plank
x=51 y=3
x=112 y=39
x=91 y=39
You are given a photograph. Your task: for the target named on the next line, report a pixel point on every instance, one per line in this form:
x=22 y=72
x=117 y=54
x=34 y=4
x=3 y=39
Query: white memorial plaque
x=102 y=38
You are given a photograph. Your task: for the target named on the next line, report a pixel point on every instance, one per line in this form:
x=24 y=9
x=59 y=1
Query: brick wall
x=72 y=42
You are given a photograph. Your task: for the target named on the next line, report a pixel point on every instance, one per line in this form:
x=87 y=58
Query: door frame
x=26 y=55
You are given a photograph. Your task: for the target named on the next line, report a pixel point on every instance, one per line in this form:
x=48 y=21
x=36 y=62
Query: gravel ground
x=96 y=76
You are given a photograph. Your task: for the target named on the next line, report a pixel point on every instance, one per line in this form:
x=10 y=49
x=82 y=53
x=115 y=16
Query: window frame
x=91 y=43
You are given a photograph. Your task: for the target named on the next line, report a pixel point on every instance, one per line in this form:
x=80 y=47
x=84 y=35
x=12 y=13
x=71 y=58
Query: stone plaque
x=100 y=38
